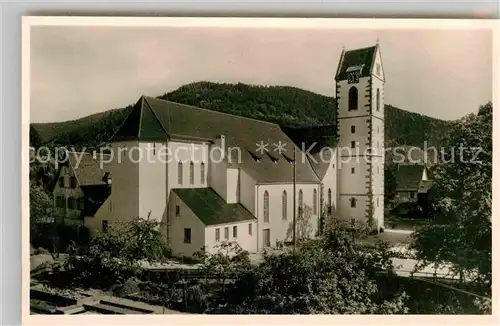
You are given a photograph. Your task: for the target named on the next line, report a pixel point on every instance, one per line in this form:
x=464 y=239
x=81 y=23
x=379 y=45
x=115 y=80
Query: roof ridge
x=142 y=100
x=154 y=114
x=123 y=122
x=373 y=59
x=342 y=54
x=213 y=111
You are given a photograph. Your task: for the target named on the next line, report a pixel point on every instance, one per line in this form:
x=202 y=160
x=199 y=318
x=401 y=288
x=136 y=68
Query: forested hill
x=287 y=106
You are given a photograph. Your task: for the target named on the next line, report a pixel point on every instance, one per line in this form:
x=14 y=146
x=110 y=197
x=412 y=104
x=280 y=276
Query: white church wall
x=378 y=125
x=368 y=133
x=329 y=181
x=152 y=180
x=359 y=136
x=246 y=235
x=247 y=191
x=218 y=175
x=378 y=83
x=358 y=212
x=186 y=219
x=123 y=202
x=281 y=228
x=233 y=185
x=353 y=175
x=187 y=152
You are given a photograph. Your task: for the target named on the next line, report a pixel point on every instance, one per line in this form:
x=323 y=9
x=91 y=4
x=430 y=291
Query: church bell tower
x=359 y=82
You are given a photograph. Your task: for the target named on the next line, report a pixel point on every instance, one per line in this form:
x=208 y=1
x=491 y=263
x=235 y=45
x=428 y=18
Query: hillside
x=290 y=107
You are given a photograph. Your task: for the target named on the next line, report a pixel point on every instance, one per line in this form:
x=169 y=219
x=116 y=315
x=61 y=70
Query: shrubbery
x=116 y=255
x=331 y=275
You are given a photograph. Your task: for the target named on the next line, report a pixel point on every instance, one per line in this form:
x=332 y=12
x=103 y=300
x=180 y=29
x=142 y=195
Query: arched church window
x=329 y=201
x=353 y=98
x=266 y=207
x=202 y=173
x=301 y=200
x=378 y=99
x=191 y=173
x=179 y=173
x=284 y=205
x=315 y=204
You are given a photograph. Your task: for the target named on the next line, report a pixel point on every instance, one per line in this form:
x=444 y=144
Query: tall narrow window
x=249 y=228
x=329 y=201
x=353 y=144
x=104 y=226
x=226 y=233
x=284 y=205
x=187 y=235
x=217 y=234
x=191 y=173
x=267 y=237
x=235 y=231
x=315 y=204
x=202 y=173
x=378 y=99
x=353 y=202
x=352 y=170
x=179 y=173
x=353 y=98
x=353 y=129
x=266 y=207
x=301 y=200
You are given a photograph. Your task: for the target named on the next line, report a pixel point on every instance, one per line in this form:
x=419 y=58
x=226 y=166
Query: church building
x=210 y=177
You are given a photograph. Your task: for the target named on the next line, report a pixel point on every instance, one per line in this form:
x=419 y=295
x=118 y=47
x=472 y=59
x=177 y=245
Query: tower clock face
x=353 y=77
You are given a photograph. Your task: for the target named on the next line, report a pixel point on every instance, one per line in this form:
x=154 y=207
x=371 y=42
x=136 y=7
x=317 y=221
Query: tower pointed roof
x=141 y=124
x=360 y=58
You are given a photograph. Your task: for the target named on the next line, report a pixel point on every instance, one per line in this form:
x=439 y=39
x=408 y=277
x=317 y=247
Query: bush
x=408 y=210
x=332 y=275
x=115 y=256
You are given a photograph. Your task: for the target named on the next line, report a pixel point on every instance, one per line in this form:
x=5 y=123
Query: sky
x=76 y=71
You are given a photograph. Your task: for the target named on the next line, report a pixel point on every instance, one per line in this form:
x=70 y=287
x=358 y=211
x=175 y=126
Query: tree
x=40 y=205
x=116 y=255
x=35 y=139
x=332 y=275
x=43 y=174
x=227 y=263
x=460 y=233
x=42 y=228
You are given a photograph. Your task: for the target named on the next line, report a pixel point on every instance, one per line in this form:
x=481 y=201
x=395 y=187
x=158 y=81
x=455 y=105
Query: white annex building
x=211 y=177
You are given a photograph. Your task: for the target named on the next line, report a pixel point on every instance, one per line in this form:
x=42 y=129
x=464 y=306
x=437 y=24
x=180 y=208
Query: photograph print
x=258 y=166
